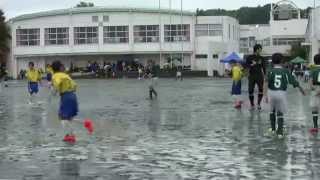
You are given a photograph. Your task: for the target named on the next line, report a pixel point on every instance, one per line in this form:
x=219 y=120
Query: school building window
x=28 y=37
x=86 y=35
x=176 y=32
x=287 y=41
x=201 y=56
x=146 y=33
x=116 y=34
x=209 y=30
x=56 y=36
x=95 y=18
x=105 y=18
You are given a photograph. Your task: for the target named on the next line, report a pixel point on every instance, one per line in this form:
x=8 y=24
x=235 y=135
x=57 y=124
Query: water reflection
x=69 y=169
x=187 y=133
x=154 y=117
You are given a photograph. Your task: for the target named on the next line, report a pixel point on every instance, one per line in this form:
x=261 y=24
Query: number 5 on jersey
x=277 y=81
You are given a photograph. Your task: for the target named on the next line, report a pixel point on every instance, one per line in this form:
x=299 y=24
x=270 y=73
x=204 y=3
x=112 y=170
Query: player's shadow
x=69 y=169
x=154 y=117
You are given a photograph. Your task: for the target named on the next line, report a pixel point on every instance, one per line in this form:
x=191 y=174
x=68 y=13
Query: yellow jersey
x=236 y=73
x=33 y=75
x=50 y=70
x=62 y=82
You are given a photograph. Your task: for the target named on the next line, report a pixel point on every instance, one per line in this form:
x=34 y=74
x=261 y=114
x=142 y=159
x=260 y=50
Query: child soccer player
x=34 y=77
x=315 y=92
x=277 y=82
x=49 y=72
x=179 y=73
x=236 y=74
x=152 y=74
x=140 y=72
x=66 y=87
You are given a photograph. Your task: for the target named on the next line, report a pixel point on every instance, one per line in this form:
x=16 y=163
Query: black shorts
x=253 y=80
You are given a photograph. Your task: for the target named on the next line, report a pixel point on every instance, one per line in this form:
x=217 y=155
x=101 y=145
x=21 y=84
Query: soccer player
x=236 y=74
x=152 y=73
x=179 y=73
x=34 y=77
x=315 y=92
x=49 y=72
x=257 y=70
x=278 y=79
x=66 y=87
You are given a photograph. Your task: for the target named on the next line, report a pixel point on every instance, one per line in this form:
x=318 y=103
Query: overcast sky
x=18 y=7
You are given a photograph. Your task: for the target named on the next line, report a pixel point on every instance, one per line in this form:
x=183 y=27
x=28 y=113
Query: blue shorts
x=33 y=87
x=49 y=77
x=68 y=106
x=236 y=88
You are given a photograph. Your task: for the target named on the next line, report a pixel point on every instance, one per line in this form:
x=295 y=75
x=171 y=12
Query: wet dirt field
x=191 y=131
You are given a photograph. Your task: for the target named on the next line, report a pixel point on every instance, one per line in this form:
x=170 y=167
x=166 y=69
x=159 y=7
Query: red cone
x=88 y=124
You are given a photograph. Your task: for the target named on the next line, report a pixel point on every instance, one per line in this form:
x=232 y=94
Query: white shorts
x=314 y=100
x=153 y=82
x=278 y=101
x=178 y=74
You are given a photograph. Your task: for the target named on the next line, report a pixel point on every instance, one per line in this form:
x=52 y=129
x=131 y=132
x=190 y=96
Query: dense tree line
x=247 y=15
x=4 y=42
x=84 y=4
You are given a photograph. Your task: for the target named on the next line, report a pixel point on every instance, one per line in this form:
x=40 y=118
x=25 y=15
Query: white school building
x=79 y=35
x=285 y=28
x=313 y=33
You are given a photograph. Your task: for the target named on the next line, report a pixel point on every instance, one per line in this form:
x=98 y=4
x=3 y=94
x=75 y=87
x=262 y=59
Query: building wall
x=216 y=47
x=293 y=27
x=85 y=20
x=314 y=35
x=265 y=35
x=80 y=54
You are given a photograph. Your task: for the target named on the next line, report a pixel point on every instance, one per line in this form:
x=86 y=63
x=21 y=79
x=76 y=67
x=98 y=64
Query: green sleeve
x=312 y=74
x=292 y=80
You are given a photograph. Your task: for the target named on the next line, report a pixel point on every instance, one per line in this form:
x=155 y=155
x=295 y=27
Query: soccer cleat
x=280 y=136
x=238 y=106
x=69 y=138
x=72 y=139
x=252 y=108
x=271 y=131
x=88 y=124
x=314 y=130
x=66 y=138
x=259 y=108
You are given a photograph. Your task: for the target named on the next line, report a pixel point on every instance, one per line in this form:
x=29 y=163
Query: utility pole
x=160 y=36
x=181 y=30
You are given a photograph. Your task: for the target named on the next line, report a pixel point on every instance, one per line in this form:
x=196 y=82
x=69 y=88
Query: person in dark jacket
x=257 y=69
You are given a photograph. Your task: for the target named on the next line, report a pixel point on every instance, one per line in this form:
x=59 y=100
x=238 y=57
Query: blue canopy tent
x=232 y=56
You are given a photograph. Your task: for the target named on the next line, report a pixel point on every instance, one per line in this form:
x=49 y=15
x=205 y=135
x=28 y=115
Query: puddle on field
x=190 y=132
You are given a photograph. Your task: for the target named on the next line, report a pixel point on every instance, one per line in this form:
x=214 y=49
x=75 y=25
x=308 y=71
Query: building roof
x=83 y=10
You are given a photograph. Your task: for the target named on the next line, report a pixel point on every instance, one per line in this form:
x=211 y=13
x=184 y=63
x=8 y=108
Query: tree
x=298 y=50
x=84 y=4
x=4 y=42
x=247 y=15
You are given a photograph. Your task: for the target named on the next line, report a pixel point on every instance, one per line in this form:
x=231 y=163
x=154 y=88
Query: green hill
x=246 y=15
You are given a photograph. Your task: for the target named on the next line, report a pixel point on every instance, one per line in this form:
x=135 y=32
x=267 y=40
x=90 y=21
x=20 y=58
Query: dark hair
x=31 y=63
x=56 y=66
x=316 y=59
x=277 y=58
x=256 y=47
